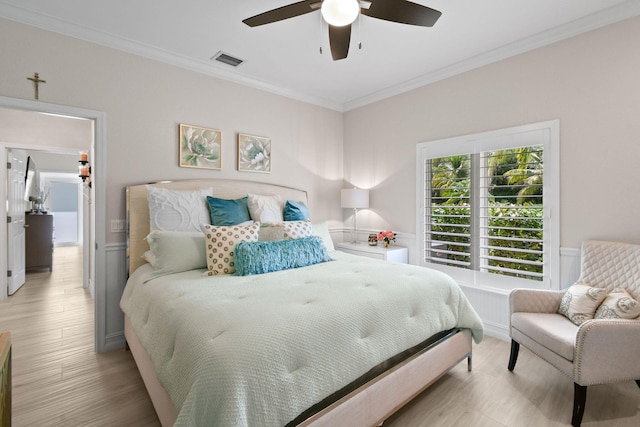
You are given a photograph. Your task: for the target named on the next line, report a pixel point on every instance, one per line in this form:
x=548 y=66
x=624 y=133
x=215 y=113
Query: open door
x=15 y=219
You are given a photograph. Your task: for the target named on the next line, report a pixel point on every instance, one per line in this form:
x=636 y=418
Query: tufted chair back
x=611 y=265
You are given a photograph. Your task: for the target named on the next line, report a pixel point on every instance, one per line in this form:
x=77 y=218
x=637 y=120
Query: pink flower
x=387 y=235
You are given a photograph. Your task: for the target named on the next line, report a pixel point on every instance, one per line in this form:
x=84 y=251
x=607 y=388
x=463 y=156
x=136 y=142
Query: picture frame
x=200 y=147
x=254 y=153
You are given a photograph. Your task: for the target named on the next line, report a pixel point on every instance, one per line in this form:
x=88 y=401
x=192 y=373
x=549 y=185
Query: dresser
x=392 y=253
x=38 y=241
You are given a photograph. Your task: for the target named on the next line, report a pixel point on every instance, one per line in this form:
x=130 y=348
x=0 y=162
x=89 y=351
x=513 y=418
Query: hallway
x=58 y=379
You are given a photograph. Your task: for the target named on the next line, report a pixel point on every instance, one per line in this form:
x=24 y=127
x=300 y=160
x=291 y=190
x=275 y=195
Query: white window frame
x=546 y=134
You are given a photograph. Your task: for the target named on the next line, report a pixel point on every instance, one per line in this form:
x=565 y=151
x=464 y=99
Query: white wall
x=589 y=82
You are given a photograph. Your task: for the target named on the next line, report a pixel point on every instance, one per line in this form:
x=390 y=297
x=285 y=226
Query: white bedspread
x=259 y=350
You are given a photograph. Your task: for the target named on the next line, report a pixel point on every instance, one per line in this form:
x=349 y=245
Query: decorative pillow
x=176 y=251
x=579 y=303
x=221 y=245
x=265 y=257
x=322 y=230
x=297 y=229
x=177 y=210
x=265 y=208
x=271 y=232
x=149 y=257
x=618 y=305
x=228 y=212
x=295 y=211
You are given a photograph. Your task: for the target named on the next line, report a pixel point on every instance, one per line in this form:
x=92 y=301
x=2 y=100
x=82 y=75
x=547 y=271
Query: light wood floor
x=60 y=381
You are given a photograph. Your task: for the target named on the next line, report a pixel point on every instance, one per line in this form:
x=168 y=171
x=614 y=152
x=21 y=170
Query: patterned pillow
x=221 y=242
x=265 y=208
x=177 y=210
x=579 y=303
x=618 y=305
x=297 y=229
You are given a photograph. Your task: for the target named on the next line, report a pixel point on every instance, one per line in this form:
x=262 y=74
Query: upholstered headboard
x=138 y=206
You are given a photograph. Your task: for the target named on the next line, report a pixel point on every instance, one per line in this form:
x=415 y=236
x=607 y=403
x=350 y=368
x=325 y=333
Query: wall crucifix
x=36 y=82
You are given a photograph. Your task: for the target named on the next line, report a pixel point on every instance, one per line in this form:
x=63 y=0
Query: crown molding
x=608 y=16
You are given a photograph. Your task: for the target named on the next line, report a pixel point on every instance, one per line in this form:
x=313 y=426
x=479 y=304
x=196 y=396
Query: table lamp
x=354 y=198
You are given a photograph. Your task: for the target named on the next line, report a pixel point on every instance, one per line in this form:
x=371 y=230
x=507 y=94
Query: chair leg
x=515 y=348
x=579 y=400
x=638 y=382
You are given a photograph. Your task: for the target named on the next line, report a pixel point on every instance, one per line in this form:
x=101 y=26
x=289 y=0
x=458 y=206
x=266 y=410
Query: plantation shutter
x=484 y=212
x=511 y=219
x=448 y=221
x=489 y=207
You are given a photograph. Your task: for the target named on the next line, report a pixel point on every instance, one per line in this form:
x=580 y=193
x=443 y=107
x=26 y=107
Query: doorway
x=96 y=246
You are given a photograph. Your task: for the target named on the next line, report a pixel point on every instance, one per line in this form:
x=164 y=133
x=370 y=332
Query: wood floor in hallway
x=58 y=378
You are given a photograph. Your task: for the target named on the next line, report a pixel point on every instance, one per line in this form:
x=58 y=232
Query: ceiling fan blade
x=282 y=13
x=339 y=40
x=403 y=12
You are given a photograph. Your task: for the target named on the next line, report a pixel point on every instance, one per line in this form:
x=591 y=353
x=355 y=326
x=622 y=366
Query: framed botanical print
x=254 y=153
x=200 y=147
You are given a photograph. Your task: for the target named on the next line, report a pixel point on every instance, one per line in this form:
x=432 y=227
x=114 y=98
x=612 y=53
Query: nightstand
x=392 y=253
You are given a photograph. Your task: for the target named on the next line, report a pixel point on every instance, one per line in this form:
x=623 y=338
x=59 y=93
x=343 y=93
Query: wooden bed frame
x=368 y=405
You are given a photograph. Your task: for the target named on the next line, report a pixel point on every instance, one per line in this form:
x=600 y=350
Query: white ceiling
x=284 y=57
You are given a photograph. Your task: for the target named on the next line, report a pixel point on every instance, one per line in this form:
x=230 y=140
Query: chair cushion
x=580 y=302
x=550 y=330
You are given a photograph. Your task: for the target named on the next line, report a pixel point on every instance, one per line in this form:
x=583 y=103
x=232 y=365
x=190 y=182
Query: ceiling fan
x=340 y=14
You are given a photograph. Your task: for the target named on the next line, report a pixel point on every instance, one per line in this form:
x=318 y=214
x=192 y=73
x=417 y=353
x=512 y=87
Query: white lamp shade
x=340 y=12
x=356 y=198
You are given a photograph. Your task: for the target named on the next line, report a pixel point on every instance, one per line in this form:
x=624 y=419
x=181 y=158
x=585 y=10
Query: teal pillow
x=295 y=211
x=265 y=257
x=228 y=212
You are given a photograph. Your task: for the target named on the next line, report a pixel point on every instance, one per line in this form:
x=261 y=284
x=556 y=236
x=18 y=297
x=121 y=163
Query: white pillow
x=178 y=210
x=176 y=251
x=322 y=230
x=220 y=244
x=618 y=305
x=266 y=209
x=580 y=301
x=149 y=257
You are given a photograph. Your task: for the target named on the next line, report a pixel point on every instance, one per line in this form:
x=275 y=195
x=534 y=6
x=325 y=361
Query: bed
x=345 y=340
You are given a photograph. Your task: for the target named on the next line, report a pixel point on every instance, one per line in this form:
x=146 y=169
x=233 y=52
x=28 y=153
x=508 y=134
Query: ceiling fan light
x=340 y=12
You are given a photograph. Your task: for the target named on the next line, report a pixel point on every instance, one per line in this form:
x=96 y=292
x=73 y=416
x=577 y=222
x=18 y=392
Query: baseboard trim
x=115 y=341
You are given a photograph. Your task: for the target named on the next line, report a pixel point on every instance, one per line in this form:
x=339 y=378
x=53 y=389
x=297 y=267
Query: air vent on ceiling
x=227 y=59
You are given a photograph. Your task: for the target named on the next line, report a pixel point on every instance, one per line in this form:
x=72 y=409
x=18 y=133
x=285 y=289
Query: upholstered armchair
x=597 y=351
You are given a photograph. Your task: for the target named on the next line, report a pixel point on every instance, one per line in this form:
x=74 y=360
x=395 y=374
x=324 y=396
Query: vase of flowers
x=387 y=236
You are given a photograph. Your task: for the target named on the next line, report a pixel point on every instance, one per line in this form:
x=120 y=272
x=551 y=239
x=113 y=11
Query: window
x=486 y=203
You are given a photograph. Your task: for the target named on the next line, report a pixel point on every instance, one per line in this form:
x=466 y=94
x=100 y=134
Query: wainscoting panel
x=116 y=271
